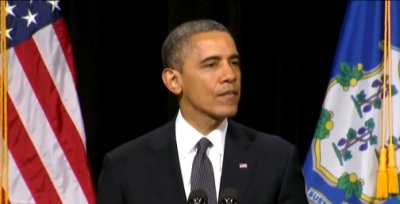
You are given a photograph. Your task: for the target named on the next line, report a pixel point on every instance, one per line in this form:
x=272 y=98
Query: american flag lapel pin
x=242 y=165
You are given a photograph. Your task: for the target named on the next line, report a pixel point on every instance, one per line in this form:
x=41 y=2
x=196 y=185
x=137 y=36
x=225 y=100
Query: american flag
x=46 y=160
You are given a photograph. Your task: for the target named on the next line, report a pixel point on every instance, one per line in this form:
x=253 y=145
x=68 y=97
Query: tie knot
x=203 y=145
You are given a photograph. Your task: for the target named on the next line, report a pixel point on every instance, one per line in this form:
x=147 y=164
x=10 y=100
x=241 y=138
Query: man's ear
x=171 y=79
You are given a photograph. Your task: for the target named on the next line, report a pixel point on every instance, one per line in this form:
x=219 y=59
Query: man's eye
x=211 y=64
x=235 y=63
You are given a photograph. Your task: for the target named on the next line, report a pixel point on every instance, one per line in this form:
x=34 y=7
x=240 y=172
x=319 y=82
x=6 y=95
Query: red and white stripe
x=46 y=134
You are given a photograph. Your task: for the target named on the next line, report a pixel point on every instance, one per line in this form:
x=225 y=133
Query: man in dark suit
x=201 y=67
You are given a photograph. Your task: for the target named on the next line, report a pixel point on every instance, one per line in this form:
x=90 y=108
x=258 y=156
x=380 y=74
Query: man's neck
x=202 y=123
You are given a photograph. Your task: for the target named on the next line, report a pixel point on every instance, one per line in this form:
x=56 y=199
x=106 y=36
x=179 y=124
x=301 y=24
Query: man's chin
x=226 y=113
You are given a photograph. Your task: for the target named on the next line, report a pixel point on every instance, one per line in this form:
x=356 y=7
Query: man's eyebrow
x=234 y=56
x=210 y=58
x=216 y=57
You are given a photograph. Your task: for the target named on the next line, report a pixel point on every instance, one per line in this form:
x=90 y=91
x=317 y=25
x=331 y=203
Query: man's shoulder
x=141 y=143
x=262 y=139
x=267 y=146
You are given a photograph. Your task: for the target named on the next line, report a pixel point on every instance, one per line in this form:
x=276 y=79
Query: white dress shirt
x=186 y=140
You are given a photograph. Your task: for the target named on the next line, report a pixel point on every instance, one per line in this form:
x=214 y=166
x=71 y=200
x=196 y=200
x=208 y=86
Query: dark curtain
x=287 y=50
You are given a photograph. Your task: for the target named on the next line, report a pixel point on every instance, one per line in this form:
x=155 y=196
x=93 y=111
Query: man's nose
x=229 y=72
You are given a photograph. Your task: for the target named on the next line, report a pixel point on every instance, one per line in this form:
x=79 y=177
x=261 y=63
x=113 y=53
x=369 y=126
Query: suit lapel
x=164 y=166
x=238 y=161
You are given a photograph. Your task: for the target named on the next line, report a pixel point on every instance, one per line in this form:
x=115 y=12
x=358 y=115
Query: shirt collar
x=187 y=137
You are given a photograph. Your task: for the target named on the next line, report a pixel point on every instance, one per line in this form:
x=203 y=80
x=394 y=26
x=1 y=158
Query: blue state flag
x=342 y=163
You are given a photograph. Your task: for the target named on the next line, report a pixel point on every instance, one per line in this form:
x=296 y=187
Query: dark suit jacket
x=147 y=170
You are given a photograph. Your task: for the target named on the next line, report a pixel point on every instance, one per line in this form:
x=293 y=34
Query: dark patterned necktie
x=202 y=171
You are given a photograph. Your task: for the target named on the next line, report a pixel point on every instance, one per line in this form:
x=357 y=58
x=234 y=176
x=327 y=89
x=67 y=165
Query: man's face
x=211 y=77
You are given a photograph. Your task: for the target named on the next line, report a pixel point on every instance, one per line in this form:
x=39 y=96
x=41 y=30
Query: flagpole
x=392 y=169
x=4 y=180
